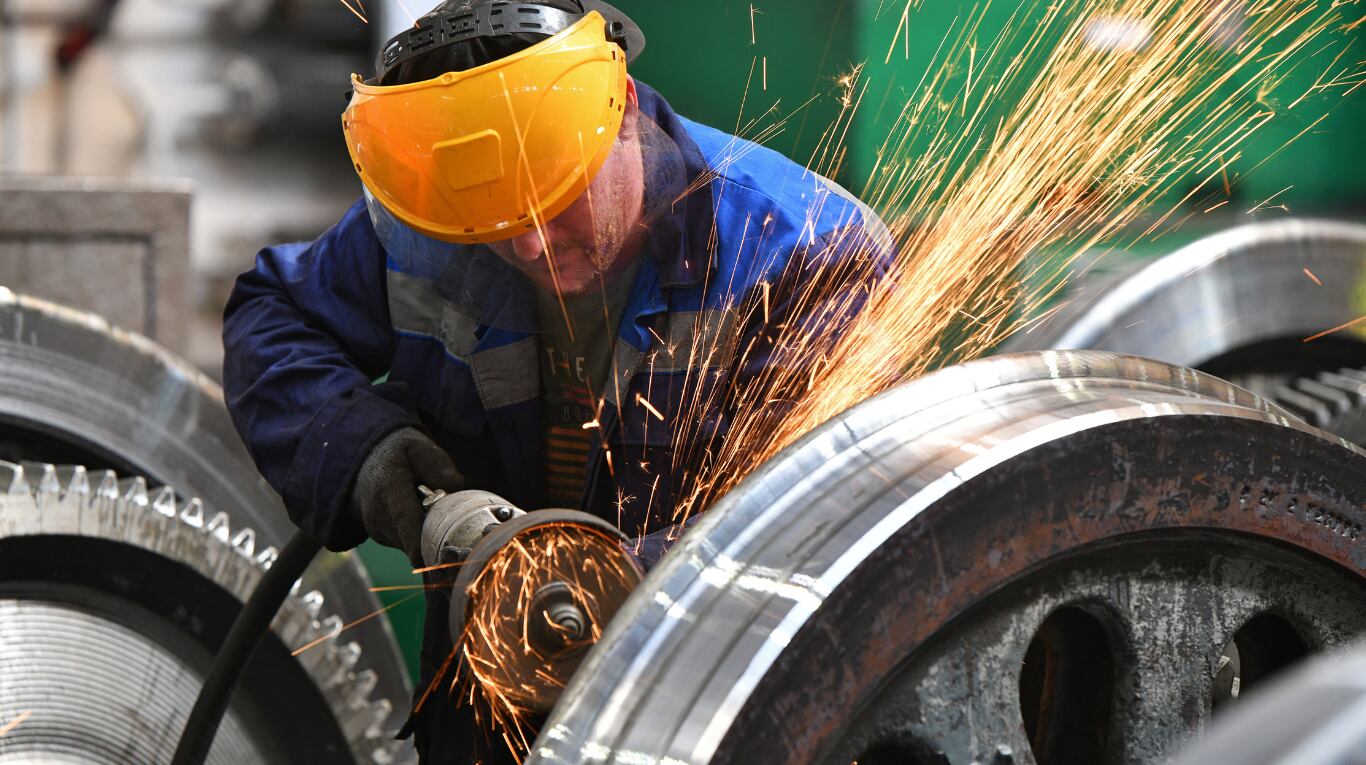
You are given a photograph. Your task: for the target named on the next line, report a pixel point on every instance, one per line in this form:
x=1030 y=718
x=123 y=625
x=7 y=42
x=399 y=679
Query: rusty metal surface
x=117 y=247
x=764 y=634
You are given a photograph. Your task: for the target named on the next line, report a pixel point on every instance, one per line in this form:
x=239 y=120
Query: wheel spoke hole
x=1067 y=689
x=1263 y=647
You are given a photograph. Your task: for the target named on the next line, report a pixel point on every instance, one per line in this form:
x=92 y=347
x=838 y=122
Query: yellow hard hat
x=484 y=154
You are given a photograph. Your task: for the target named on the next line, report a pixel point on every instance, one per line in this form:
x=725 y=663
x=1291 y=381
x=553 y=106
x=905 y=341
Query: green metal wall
x=700 y=54
x=1323 y=167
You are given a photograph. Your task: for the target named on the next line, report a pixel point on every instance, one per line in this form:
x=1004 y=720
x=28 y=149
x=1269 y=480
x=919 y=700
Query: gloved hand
x=385 y=497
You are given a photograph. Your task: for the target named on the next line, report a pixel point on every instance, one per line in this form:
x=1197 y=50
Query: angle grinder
x=533 y=592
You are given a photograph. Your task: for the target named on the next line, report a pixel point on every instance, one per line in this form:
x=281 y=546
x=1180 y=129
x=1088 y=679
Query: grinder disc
x=533 y=596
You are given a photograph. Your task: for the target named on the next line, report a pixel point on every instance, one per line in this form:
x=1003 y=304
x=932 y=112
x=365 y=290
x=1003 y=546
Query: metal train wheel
x=1238 y=304
x=74 y=390
x=1049 y=557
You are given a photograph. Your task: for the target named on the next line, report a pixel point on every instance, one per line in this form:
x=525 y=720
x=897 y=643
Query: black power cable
x=246 y=633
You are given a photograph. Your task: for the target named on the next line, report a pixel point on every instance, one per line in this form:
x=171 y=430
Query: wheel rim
x=1237 y=304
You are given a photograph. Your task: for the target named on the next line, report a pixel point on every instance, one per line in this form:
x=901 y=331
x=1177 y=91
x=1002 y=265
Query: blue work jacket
x=309 y=330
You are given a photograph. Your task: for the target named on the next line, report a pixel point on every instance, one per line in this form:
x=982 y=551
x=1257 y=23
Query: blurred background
x=149 y=148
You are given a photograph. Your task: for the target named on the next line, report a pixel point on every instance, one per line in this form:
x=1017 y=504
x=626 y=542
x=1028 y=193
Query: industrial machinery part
x=1238 y=304
x=533 y=592
x=74 y=390
x=1314 y=716
x=1333 y=401
x=1051 y=557
x=113 y=600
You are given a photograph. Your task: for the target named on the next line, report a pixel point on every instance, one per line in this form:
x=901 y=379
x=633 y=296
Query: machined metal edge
x=1221 y=293
x=767 y=556
x=38 y=499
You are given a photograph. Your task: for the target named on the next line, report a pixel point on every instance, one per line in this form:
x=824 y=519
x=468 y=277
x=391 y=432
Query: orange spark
x=1338 y=328
x=438 y=567
x=649 y=407
x=357 y=13
x=346 y=627
x=1056 y=149
x=1310 y=274
x=12 y=724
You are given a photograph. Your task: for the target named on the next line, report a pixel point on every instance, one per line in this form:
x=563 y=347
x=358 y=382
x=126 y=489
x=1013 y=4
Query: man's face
x=596 y=236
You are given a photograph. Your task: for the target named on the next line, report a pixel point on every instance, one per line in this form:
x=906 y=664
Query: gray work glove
x=385 y=497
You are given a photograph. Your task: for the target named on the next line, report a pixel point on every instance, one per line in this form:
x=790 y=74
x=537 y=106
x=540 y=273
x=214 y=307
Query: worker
x=548 y=270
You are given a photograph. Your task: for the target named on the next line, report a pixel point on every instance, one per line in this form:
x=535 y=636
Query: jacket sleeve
x=305 y=333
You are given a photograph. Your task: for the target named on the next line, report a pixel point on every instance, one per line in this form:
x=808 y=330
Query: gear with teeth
x=75 y=390
x=1333 y=401
x=113 y=599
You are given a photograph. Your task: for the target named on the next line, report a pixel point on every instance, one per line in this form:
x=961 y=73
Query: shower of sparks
x=972 y=180
x=15 y=723
x=508 y=677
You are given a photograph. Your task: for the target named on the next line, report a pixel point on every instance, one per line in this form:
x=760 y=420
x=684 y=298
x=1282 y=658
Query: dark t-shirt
x=575 y=365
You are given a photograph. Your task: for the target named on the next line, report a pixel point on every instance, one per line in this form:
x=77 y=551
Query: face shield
x=494 y=151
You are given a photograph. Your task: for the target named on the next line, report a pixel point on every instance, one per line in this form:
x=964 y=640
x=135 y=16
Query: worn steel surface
x=114 y=598
x=1237 y=304
x=73 y=389
x=1106 y=483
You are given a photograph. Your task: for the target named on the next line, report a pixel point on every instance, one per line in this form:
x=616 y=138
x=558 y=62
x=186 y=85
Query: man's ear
x=628 y=122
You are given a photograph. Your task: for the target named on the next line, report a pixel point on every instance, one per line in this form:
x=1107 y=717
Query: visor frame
x=498 y=19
